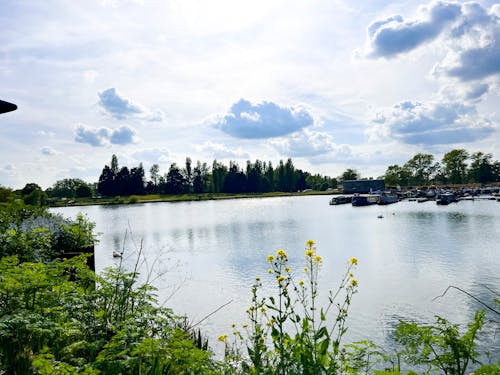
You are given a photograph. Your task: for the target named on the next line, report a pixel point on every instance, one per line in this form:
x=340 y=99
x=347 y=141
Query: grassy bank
x=135 y=199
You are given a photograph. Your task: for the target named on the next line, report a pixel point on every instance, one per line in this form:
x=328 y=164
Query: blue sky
x=332 y=84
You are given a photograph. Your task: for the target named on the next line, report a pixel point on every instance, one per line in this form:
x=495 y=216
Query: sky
x=332 y=84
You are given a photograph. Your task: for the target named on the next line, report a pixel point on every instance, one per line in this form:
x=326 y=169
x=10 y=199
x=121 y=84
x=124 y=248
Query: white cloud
x=120 y=107
x=103 y=136
x=431 y=123
x=263 y=120
x=306 y=143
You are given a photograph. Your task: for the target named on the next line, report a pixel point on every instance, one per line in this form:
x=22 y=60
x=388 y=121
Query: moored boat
x=340 y=199
x=387 y=199
x=365 y=199
x=446 y=198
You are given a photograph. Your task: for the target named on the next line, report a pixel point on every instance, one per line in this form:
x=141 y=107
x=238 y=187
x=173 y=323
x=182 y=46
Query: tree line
x=257 y=177
x=456 y=167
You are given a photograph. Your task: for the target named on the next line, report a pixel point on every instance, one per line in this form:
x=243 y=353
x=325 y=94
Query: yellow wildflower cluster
x=270 y=258
x=222 y=338
x=353 y=261
x=318 y=259
x=280 y=278
x=309 y=243
x=301 y=282
x=287 y=269
x=354 y=282
x=281 y=253
x=270 y=270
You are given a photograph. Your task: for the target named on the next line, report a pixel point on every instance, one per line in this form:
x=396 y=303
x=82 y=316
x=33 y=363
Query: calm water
x=201 y=255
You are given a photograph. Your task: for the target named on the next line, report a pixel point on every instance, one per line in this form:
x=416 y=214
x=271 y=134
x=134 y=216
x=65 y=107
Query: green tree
x=421 y=168
x=33 y=195
x=455 y=166
x=175 y=182
x=350 y=174
x=67 y=188
x=396 y=175
x=154 y=173
x=481 y=168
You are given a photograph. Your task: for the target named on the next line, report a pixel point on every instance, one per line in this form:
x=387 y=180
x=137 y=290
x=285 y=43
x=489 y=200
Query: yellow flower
x=354 y=282
x=309 y=253
x=280 y=278
x=306 y=269
x=287 y=269
x=245 y=325
x=257 y=279
x=233 y=325
x=222 y=338
x=281 y=253
x=301 y=282
x=309 y=243
x=350 y=274
x=270 y=258
x=353 y=261
x=263 y=309
x=270 y=271
x=318 y=259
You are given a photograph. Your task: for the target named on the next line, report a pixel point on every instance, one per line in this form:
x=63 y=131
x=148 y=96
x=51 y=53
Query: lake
x=203 y=255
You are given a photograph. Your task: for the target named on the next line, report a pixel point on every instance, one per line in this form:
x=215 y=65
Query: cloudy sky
x=333 y=84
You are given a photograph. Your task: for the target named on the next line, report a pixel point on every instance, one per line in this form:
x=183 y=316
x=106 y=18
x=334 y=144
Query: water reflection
x=213 y=250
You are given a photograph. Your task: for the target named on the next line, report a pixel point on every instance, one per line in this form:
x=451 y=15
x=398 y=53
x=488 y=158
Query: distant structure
x=362 y=186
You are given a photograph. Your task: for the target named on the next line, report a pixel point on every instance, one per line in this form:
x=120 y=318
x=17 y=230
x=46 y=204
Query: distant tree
x=83 y=191
x=154 y=173
x=114 y=164
x=6 y=195
x=481 y=168
x=268 y=181
x=122 y=182
x=421 y=168
x=289 y=183
x=455 y=166
x=350 y=174
x=235 y=180
x=396 y=175
x=106 y=183
x=33 y=195
x=137 y=180
x=188 y=175
x=67 y=188
x=219 y=172
x=254 y=176
x=199 y=179
x=175 y=181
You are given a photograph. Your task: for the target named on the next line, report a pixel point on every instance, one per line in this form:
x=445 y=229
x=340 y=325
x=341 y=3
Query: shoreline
x=155 y=198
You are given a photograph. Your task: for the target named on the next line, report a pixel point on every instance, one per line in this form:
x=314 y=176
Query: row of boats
x=440 y=197
x=365 y=199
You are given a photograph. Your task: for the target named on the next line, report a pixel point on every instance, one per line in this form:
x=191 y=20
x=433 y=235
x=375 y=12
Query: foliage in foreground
x=289 y=333
x=61 y=318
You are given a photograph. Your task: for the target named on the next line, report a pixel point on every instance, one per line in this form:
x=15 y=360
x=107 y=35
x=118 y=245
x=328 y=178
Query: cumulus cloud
x=103 y=136
x=431 y=123
x=220 y=151
x=394 y=35
x=49 y=151
x=470 y=36
x=305 y=144
x=120 y=107
x=263 y=120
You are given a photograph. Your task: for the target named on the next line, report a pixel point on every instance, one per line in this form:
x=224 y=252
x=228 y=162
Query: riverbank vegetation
x=59 y=317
